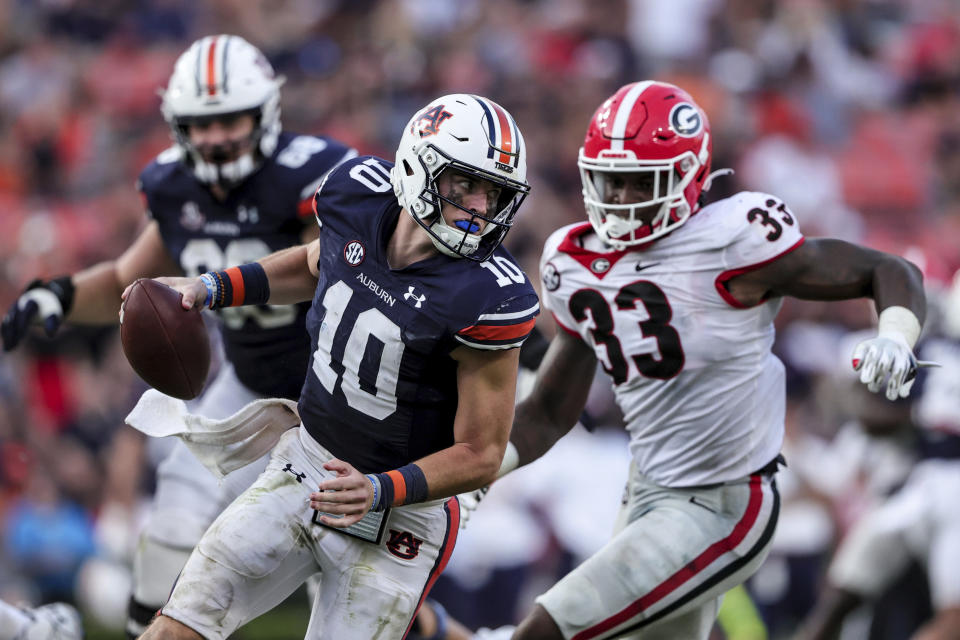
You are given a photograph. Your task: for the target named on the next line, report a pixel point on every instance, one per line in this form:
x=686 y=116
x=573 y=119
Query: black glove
x=41 y=302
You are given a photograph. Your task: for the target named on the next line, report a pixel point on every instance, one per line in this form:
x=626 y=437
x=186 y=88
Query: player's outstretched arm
x=90 y=296
x=556 y=402
x=283 y=277
x=828 y=269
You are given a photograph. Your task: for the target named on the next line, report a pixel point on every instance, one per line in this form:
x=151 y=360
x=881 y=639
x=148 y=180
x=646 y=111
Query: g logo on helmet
x=685 y=120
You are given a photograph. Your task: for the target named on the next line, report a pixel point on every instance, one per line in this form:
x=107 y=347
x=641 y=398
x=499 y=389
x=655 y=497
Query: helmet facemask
x=628 y=224
x=225 y=164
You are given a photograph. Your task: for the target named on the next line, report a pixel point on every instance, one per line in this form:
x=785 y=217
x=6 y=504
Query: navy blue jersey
x=381 y=390
x=267 y=344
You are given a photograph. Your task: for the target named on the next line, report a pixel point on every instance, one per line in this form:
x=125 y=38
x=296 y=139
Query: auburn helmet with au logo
x=474 y=136
x=652 y=133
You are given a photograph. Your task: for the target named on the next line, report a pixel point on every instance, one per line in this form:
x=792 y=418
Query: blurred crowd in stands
x=847 y=109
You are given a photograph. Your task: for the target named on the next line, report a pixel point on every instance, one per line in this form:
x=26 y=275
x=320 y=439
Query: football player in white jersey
x=676 y=301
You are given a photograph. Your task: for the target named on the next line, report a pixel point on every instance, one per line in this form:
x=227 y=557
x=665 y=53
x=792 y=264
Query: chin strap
x=715 y=174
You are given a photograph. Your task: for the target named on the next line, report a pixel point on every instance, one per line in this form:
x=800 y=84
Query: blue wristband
x=211 y=286
x=376 y=506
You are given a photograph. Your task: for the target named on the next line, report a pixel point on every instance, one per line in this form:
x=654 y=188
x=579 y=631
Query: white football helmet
x=472 y=135
x=216 y=76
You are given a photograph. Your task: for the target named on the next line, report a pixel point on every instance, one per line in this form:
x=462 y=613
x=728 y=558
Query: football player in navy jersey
x=232 y=189
x=417 y=316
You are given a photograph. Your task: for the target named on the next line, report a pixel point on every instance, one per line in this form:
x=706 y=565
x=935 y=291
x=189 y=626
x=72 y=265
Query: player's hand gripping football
x=40 y=303
x=192 y=290
x=350 y=495
x=887 y=359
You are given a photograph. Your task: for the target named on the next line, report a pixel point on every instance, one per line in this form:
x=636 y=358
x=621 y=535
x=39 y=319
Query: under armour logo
x=298 y=476
x=412 y=295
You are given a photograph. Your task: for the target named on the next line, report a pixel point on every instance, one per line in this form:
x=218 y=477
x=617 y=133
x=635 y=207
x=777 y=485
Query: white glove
x=887 y=358
x=469 y=502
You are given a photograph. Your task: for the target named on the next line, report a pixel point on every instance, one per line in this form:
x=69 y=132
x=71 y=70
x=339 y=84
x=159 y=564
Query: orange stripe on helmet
x=506 y=133
x=212 y=67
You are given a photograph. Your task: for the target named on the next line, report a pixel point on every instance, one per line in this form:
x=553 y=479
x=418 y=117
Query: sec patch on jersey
x=165 y=344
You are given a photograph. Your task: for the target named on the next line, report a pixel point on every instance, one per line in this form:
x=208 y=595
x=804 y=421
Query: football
x=165 y=344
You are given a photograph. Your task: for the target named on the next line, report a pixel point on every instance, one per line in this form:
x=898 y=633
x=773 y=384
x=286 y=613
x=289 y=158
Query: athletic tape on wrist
x=511 y=460
x=900 y=321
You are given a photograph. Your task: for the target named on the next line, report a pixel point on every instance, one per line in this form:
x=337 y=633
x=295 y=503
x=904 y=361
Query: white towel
x=221 y=445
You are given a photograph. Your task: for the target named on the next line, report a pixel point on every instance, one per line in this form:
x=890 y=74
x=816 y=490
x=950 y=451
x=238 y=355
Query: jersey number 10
x=381 y=401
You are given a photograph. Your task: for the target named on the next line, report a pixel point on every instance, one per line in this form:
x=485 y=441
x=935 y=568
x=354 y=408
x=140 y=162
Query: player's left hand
x=350 y=495
x=887 y=359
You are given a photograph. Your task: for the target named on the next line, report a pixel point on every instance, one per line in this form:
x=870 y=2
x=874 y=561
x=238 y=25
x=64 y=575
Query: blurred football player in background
x=676 y=302
x=417 y=316
x=233 y=188
x=57 y=621
x=920 y=522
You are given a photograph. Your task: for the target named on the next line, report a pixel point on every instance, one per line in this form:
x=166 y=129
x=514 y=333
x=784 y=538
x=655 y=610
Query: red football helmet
x=650 y=128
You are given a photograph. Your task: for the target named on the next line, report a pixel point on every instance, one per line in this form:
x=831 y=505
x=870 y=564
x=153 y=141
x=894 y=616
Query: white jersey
x=692 y=369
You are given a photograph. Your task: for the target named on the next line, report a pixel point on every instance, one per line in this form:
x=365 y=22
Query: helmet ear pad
x=471 y=135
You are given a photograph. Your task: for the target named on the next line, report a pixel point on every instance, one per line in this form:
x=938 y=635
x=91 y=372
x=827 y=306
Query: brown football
x=165 y=344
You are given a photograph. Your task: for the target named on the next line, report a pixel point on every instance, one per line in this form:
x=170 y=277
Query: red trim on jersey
x=306 y=207
x=212 y=67
x=486 y=332
x=573 y=248
x=506 y=135
x=566 y=328
x=452 y=507
x=239 y=291
x=689 y=570
x=723 y=278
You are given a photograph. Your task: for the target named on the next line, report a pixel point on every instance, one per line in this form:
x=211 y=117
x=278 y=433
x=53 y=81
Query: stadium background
x=848 y=110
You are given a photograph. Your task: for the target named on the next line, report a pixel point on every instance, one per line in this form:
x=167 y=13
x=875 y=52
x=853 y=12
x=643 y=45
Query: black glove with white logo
x=41 y=302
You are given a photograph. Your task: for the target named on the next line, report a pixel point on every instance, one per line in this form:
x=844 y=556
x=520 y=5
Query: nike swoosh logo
x=641 y=267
